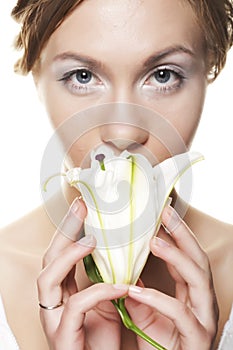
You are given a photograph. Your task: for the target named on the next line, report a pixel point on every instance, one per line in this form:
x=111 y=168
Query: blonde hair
x=40 y=18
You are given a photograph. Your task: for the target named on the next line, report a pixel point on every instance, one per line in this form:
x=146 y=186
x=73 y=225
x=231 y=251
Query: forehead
x=126 y=26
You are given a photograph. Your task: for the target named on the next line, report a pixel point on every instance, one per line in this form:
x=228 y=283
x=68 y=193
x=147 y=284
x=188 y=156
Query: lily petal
x=168 y=172
x=125 y=197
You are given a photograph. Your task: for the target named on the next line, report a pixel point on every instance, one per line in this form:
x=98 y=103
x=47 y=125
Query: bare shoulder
x=29 y=233
x=22 y=245
x=214 y=235
x=221 y=259
x=216 y=238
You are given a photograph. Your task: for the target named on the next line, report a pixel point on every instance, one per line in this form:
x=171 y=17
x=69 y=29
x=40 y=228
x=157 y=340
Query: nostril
x=123 y=144
x=123 y=136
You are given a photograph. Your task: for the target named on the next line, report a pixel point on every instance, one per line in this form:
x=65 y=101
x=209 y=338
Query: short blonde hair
x=40 y=18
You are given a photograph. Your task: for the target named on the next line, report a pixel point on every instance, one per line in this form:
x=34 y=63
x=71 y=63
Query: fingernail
x=75 y=206
x=169 y=201
x=135 y=289
x=87 y=241
x=168 y=210
x=123 y=287
x=161 y=243
x=171 y=214
x=72 y=222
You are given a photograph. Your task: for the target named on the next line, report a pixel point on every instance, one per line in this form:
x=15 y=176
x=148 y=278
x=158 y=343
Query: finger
x=72 y=222
x=189 y=271
x=49 y=283
x=51 y=277
x=188 y=243
x=70 y=282
x=70 y=330
x=142 y=315
x=183 y=237
x=140 y=283
x=199 y=281
x=181 y=290
x=69 y=285
x=172 y=270
x=192 y=332
x=69 y=230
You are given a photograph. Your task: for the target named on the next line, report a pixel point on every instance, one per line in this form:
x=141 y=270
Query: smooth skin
x=120 y=72
x=114 y=71
x=87 y=320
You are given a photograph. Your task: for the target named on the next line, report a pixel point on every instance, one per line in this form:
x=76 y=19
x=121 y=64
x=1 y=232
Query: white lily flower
x=125 y=197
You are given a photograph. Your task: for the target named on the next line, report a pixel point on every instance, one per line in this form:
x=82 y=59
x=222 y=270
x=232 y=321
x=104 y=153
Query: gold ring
x=51 y=307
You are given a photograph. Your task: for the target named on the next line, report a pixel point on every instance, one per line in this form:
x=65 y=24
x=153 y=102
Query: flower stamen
x=100 y=157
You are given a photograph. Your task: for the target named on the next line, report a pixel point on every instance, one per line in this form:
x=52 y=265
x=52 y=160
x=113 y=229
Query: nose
x=124 y=126
x=123 y=136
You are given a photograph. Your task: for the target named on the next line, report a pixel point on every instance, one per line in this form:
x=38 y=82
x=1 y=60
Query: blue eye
x=81 y=81
x=162 y=76
x=83 y=76
x=164 y=79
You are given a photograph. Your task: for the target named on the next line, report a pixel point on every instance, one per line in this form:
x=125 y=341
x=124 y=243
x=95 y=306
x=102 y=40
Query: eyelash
x=166 y=87
x=161 y=88
x=79 y=88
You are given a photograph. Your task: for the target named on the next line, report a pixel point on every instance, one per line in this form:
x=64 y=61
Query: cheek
x=59 y=104
x=76 y=135
x=184 y=112
x=78 y=154
x=189 y=112
x=181 y=114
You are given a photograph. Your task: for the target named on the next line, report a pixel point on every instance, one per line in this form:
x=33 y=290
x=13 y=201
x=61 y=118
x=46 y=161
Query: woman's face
x=146 y=52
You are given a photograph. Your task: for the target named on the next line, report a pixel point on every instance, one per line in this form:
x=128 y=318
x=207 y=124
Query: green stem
x=50 y=178
x=128 y=323
x=94 y=275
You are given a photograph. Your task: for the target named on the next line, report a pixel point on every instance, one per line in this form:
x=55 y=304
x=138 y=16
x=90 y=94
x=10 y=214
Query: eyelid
x=169 y=67
x=160 y=88
x=78 y=88
x=61 y=67
x=69 y=73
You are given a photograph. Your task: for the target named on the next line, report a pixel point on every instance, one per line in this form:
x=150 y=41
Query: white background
x=24 y=132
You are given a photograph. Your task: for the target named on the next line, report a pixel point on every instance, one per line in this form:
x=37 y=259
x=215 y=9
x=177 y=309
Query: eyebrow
x=95 y=64
x=157 y=56
x=86 y=60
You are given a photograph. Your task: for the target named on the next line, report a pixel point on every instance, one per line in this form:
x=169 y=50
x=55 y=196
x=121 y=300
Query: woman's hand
x=188 y=321
x=86 y=319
